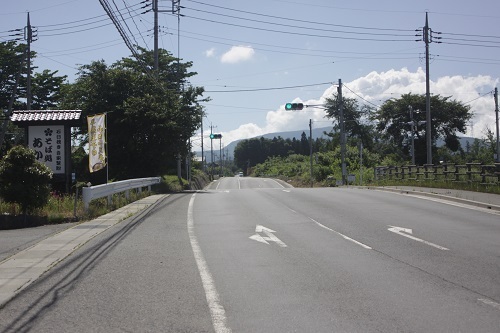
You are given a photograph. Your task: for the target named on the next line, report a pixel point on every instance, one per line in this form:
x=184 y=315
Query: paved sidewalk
x=24 y=267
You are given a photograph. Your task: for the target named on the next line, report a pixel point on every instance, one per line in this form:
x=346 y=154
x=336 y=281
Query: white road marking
x=239 y=184
x=490 y=302
x=287 y=191
x=342 y=235
x=218 y=184
x=278 y=183
x=453 y=203
x=217 y=311
x=405 y=232
x=270 y=237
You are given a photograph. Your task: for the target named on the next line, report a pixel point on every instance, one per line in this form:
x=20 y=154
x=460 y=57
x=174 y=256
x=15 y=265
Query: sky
x=252 y=57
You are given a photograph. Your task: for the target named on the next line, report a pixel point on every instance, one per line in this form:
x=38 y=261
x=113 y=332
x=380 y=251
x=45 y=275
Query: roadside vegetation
x=151 y=118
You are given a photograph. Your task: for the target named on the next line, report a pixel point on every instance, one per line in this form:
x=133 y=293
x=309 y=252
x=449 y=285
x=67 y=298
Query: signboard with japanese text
x=48 y=144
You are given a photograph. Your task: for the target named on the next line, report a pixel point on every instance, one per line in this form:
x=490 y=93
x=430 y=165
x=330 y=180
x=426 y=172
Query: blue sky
x=247 y=53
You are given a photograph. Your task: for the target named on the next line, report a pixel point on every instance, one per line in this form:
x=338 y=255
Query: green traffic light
x=294 y=106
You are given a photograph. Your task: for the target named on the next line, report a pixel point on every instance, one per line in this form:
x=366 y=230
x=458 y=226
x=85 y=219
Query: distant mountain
x=316 y=133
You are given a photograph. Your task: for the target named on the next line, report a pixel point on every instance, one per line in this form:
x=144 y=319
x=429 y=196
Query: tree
x=11 y=55
x=45 y=88
x=150 y=117
x=449 y=117
x=24 y=180
x=356 y=119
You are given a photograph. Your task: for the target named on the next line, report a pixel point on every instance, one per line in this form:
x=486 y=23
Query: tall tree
x=11 y=56
x=45 y=87
x=46 y=90
x=356 y=118
x=150 y=116
x=449 y=117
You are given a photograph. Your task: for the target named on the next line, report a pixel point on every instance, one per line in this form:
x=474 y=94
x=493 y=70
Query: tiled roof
x=46 y=115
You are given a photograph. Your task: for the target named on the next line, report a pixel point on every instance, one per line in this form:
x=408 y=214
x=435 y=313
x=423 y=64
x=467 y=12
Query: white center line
x=490 y=302
x=342 y=235
x=217 y=311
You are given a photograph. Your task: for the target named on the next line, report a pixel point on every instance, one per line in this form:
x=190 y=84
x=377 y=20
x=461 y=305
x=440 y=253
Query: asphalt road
x=253 y=255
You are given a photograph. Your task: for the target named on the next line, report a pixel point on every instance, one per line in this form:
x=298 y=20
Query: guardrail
x=107 y=190
x=470 y=172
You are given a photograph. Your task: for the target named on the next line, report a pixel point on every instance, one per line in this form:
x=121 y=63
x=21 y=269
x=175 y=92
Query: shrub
x=24 y=180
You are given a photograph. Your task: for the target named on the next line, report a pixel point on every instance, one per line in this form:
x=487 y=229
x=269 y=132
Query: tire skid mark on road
x=217 y=312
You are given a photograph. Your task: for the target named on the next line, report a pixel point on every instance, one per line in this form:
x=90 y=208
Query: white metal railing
x=107 y=190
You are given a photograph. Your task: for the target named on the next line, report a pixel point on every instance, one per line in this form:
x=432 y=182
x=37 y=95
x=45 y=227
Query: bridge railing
x=107 y=190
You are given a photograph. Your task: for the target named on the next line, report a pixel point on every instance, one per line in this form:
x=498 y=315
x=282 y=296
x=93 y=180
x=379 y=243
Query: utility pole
x=311 y=151
x=412 y=126
x=211 y=153
x=220 y=155
x=28 y=36
x=361 y=163
x=342 y=132
x=496 y=117
x=427 y=91
x=155 y=52
x=202 y=151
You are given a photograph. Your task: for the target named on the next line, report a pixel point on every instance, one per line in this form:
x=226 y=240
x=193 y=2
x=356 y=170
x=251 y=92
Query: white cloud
x=377 y=87
x=210 y=53
x=238 y=54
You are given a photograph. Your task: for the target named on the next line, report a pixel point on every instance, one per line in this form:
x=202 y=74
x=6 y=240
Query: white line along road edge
x=217 y=311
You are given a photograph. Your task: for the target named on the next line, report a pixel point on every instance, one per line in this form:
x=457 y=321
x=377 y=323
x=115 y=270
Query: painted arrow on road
x=407 y=233
x=269 y=236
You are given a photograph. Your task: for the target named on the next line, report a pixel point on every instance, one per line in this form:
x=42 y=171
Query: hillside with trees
x=384 y=134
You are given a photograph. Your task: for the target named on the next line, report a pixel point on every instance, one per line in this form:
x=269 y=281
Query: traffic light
x=215 y=136
x=293 y=106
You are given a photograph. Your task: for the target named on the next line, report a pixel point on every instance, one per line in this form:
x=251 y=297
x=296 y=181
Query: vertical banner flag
x=97 y=140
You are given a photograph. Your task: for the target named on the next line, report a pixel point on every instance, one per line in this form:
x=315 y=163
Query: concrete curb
x=438 y=196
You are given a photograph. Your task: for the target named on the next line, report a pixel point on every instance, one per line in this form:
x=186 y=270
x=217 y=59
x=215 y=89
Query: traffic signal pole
x=300 y=106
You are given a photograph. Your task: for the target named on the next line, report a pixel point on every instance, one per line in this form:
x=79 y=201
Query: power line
x=102 y=18
x=295 y=26
x=298 y=33
x=266 y=89
x=377 y=106
x=299 y=20
x=481 y=95
x=285 y=49
x=469 y=44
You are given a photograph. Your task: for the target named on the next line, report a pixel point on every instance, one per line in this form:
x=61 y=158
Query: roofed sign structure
x=48 y=133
